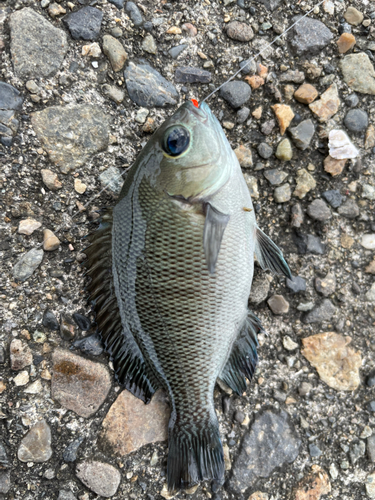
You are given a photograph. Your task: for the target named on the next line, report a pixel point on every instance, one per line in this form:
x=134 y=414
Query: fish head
x=192 y=156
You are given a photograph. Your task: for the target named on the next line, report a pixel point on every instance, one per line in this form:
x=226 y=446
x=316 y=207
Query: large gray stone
x=84 y=23
x=27 y=264
x=359 y=73
x=37 y=47
x=309 y=36
x=102 y=478
x=71 y=134
x=36 y=445
x=10 y=99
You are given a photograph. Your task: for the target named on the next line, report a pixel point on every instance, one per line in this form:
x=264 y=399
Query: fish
x=171 y=267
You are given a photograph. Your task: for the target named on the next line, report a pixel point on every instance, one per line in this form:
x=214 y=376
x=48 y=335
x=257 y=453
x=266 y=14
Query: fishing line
x=263 y=50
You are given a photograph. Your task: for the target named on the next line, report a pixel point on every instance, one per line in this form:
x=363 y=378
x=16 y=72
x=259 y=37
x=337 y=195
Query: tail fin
x=195 y=454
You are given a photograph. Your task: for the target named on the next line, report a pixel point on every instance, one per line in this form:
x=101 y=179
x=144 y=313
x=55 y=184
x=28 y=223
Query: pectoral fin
x=213 y=231
x=269 y=255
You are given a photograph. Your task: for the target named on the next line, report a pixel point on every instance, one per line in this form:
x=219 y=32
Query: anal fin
x=243 y=358
x=269 y=255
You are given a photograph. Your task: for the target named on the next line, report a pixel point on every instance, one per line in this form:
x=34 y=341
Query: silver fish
x=171 y=268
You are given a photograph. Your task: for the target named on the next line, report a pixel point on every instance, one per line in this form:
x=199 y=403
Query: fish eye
x=176 y=140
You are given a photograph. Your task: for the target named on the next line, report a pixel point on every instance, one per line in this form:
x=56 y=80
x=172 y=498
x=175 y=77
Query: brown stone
x=79 y=384
x=284 y=115
x=51 y=180
x=337 y=364
x=313 y=486
x=288 y=92
x=130 y=424
x=50 y=241
x=239 y=31
x=244 y=156
x=257 y=113
x=370 y=137
x=306 y=93
x=345 y=42
x=190 y=29
x=371 y=268
x=346 y=241
x=255 y=81
x=115 y=52
x=262 y=71
x=174 y=30
x=20 y=355
x=353 y=16
x=312 y=70
x=328 y=104
x=333 y=166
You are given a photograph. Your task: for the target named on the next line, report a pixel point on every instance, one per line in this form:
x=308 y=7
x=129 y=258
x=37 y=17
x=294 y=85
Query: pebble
x=259 y=290
x=50 y=180
x=345 y=42
x=284 y=115
x=5 y=481
x=359 y=73
x=243 y=114
x=328 y=104
x=67 y=327
x=292 y=76
x=371 y=268
x=275 y=176
x=358 y=450
x=28 y=263
x=174 y=52
x=236 y=93
x=20 y=355
x=114 y=93
x=349 y=209
x=70 y=452
x=244 y=156
x=147 y=88
x=319 y=210
x=130 y=424
x=115 y=52
x=296 y=285
x=370 y=137
x=313 y=485
x=302 y=134
x=79 y=384
x=337 y=364
x=28 y=226
x=190 y=29
x=356 y=120
x=189 y=74
x=314 y=245
x=305 y=388
x=353 y=16
x=84 y=24
x=258 y=495
x=264 y=150
x=134 y=13
x=112 y=179
x=91 y=345
x=371 y=406
x=352 y=100
x=305 y=183
x=271 y=435
x=32 y=87
x=323 y=312
x=101 y=478
x=278 y=304
x=333 y=197
x=282 y=194
x=34 y=388
x=55 y=10
x=117 y=3
x=37 y=47
x=309 y=36
x=255 y=81
x=241 y=32
x=36 y=445
x=2 y=354
x=82 y=322
x=70 y=150
x=334 y=166
x=50 y=241
x=248 y=67
x=267 y=127
x=289 y=344
x=371 y=448
x=149 y=44
x=368 y=241
x=370 y=485
x=21 y=379
x=306 y=93
x=66 y=495
x=284 y=150
x=326 y=286
x=370 y=294
x=49 y=320
x=314 y=451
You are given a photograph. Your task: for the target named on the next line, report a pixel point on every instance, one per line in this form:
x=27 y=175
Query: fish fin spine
x=269 y=255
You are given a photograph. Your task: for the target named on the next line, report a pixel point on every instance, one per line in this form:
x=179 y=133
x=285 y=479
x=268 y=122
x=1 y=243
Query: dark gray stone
x=314 y=245
x=275 y=177
x=370 y=381
x=264 y=150
x=319 y=210
x=323 y=312
x=297 y=284
x=91 y=345
x=314 y=450
x=4 y=462
x=333 y=197
x=248 y=67
x=84 y=24
x=236 y=93
x=267 y=127
x=82 y=322
x=10 y=98
x=134 y=13
x=371 y=406
x=358 y=450
x=243 y=114
x=309 y=36
x=2 y=355
x=188 y=74
x=67 y=327
x=270 y=443
x=49 y=320
x=271 y=4
x=118 y=3
x=70 y=452
x=147 y=87
x=297 y=215
x=349 y=209
x=352 y=100
x=174 y=52
x=371 y=448
x=345 y=28
x=27 y=264
x=356 y=120
x=302 y=134
x=5 y=483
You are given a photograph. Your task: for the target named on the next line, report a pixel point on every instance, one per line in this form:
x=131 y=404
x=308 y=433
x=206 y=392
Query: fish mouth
x=202 y=111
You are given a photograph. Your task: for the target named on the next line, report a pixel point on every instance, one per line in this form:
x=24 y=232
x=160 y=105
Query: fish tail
x=195 y=454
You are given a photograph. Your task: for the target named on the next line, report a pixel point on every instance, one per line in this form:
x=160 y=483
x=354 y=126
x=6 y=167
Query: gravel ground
x=82 y=86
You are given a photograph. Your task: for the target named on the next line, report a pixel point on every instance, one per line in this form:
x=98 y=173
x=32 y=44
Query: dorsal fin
x=130 y=368
x=269 y=255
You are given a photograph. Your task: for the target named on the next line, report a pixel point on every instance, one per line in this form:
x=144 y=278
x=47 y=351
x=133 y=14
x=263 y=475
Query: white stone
x=368 y=192
x=289 y=344
x=329 y=7
x=370 y=485
x=368 y=241
x=340 y=146
x=28 y=226
x=92 y=50
x=34 y=388
x=370 y=295
x=141 y=115
x=22 y=378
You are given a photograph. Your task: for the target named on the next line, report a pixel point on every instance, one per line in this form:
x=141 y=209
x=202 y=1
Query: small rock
x=255 y=81
x=20 y=355
x=358 y=450
x=91 y=50
x=101 y=478
x=49 y=320
x=70 y=452
x=174 y=30
x=188 y=74
x=323 y=312
x=244 y=156
x=313 y=485
x=359 y=73
x=309 y=36
x=248 y=67
x=353 y=16
x=326 y=286
x=275 y=177
x=293 y=76
x=21 y=379
x=328 y=104
x=79 y=186
x=190 y=29
x=338 y=365
x=36 y=445
x=243 y=114
x=85 y=23
x=333 y=197
x=67 y=327
x=28 y=263
x=314 y=450
x=349 y=209
x=91 y=345
x=174 y=52
x=371 y=406
x=282 y=194
x=370 y=295
x=319 y=210
x=115 y=52
x=370 y=485
x=67 y=495
x=259 y=290
x=370 y=137
x=82 y=322
x=236 y=93
x=55 y=10
x=50 y=180
x=267 y=127
x=112 y=179
x=302 y=134
x=264 y=150
x=50 y=241
x=305 y=183
x=333 y=166
x=258 y=495
x=240 y=31
x=28 y=226
x=304 y=389
x=296 y=285
x=306 y=93
x=284 y=150
x=345 y=42
x=371 y=448
x=368 y=241
x=32 y=87
x=289 y=344
x=278 y=304
x=142 y=115
x=352 y=100
x=284 y=115
x=5 y=482
x=134 y=13
x=114 y=93
x=356 y=120
x=371 y=268
x=34 y=388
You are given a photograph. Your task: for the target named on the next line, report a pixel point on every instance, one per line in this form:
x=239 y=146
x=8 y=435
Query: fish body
x=171 y=271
